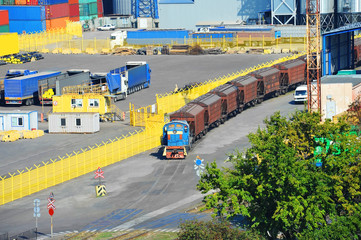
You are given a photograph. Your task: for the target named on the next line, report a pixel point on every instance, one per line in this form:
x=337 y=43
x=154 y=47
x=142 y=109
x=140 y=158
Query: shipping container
x=4 y=29
x=74 y=122
x=56 y=23
x=250 y=90
x=93 y=9
x=83 y=18
x=74 y=19
x=73 y=2
x=212 y=106
x=83 y=9
x=31 y=2
x=74 y=10
x=11 y=41
x=292 y=72
x=20 y=2
x=87 y=1
x=228 y=94
x=8 y=2
x=194 y=114
x=57 y=11
x=51 y=2
x=215 y=36
x=270 y=78
x=25 y=12
x=100 y=7
x=27 y=26
x=4 y=17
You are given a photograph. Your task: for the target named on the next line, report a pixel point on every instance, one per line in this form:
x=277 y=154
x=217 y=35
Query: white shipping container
x=74 y=122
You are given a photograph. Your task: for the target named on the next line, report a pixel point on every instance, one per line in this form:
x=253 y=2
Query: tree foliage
x=276 y=183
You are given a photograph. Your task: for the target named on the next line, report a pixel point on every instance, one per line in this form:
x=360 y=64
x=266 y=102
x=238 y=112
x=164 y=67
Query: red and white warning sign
x=99 y=173
x=51 y=202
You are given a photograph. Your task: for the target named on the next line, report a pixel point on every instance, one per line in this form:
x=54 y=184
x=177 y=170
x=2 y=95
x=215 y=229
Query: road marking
x=158 y=212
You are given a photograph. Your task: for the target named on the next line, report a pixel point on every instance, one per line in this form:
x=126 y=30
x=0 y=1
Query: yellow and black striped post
x=100 y=190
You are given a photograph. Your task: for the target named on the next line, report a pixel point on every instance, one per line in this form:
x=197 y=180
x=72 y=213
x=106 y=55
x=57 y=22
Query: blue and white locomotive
x=176 y=139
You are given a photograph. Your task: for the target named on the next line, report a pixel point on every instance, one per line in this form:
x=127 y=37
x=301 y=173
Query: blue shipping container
x=213 y=35
x=25 y=86
x=142 y=34
x=25 y=12
x=27 y=26
x=51 y=2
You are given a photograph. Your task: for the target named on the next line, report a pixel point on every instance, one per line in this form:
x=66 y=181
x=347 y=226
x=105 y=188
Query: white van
x=300 y=94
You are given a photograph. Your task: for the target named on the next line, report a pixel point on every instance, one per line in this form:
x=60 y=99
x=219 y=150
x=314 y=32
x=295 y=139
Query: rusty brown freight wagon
x=229 y=96
x=194 y=115
x=212 y=106
x=292 y=72
x=250 y=90
x=270 y=78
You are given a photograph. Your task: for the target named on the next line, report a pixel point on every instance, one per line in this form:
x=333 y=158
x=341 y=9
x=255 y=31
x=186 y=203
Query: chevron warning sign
x=100 y=190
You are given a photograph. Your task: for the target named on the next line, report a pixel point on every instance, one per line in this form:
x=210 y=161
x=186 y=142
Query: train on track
x=195 y=119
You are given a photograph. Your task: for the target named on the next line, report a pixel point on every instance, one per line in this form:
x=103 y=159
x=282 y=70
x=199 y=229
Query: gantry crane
x=313 y=55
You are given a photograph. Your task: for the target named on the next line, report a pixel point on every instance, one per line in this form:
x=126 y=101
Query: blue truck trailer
x=24 y=89
x=126 y=80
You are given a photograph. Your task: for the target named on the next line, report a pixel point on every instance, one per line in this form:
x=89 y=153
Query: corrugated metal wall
x=122 y=7
x=188 y=15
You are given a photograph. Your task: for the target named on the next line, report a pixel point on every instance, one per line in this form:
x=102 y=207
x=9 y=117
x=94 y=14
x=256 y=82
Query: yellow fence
x=39 y=41
x=50 y=173
x=53 y=172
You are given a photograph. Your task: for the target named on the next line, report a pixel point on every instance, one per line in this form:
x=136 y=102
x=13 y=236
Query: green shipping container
x=82 y=18
x=87 y=1
x=346 y=72
x=4 y=28
x=84 y=10
x=8 y=2
x=93 y=9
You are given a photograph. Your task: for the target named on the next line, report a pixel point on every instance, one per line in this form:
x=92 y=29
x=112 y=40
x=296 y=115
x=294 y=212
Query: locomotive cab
x=176 y=139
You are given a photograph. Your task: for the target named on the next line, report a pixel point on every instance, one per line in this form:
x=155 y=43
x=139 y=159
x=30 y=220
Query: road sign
x=51 y=212
x=99 y=173
x=51 y=203
x=198 y=166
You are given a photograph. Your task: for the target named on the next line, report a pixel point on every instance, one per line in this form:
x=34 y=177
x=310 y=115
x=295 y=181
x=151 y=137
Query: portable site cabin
x=76 y=103
x=74 y=122
x=18 y=120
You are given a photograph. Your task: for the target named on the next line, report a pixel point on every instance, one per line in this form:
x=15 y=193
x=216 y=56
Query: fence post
x=21 y=183
x=3 y=187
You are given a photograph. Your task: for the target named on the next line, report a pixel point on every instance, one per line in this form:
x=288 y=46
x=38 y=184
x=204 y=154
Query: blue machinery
x=145 y=9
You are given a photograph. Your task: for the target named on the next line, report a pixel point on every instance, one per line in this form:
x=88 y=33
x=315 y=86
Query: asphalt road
x=148 y=187
x=167 y=71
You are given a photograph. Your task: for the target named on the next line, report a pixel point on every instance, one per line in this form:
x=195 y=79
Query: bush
x=220 y=230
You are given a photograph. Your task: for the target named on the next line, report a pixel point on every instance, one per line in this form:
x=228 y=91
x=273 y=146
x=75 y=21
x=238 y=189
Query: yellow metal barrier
x=9 y=43
x=55 y=171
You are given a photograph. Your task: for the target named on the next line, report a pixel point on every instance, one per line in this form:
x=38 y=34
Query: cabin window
x=93 y=102
x=17 y=121
x=78 y=122
x=75 y=103
x=62 y=122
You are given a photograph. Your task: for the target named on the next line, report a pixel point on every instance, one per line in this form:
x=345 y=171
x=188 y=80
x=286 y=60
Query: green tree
x=276 y=183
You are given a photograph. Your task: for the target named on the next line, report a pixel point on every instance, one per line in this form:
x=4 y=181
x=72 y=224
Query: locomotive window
x=171 y=126
x=179 y=126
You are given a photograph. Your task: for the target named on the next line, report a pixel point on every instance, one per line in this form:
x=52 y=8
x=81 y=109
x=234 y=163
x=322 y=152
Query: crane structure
x=313 y=27
x=145 y=9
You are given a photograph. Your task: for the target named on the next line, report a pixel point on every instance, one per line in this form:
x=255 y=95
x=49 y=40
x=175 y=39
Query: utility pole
x=313 y=55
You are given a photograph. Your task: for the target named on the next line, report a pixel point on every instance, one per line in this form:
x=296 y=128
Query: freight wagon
x=24 y=90
x=53 y=85
x=195 y=119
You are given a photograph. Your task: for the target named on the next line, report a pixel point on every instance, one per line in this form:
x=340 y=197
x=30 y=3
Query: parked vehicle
x=117 y=38
x=106 y=27
x=11 y=73
x=300 y=94
x=126 y=80
x=194 y=120
x=53 y=85
x=24 y=89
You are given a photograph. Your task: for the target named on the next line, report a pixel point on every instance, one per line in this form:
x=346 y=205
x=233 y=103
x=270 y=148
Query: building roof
x=16 y=111
x=334 y=79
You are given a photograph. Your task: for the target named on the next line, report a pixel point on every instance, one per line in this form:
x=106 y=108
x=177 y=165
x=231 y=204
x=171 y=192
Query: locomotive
x=195 y=119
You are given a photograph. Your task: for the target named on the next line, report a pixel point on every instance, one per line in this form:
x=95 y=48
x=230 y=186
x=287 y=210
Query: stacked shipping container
x=74 y=10
x=88 y=9
x=4 y=21
x=56 y=15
